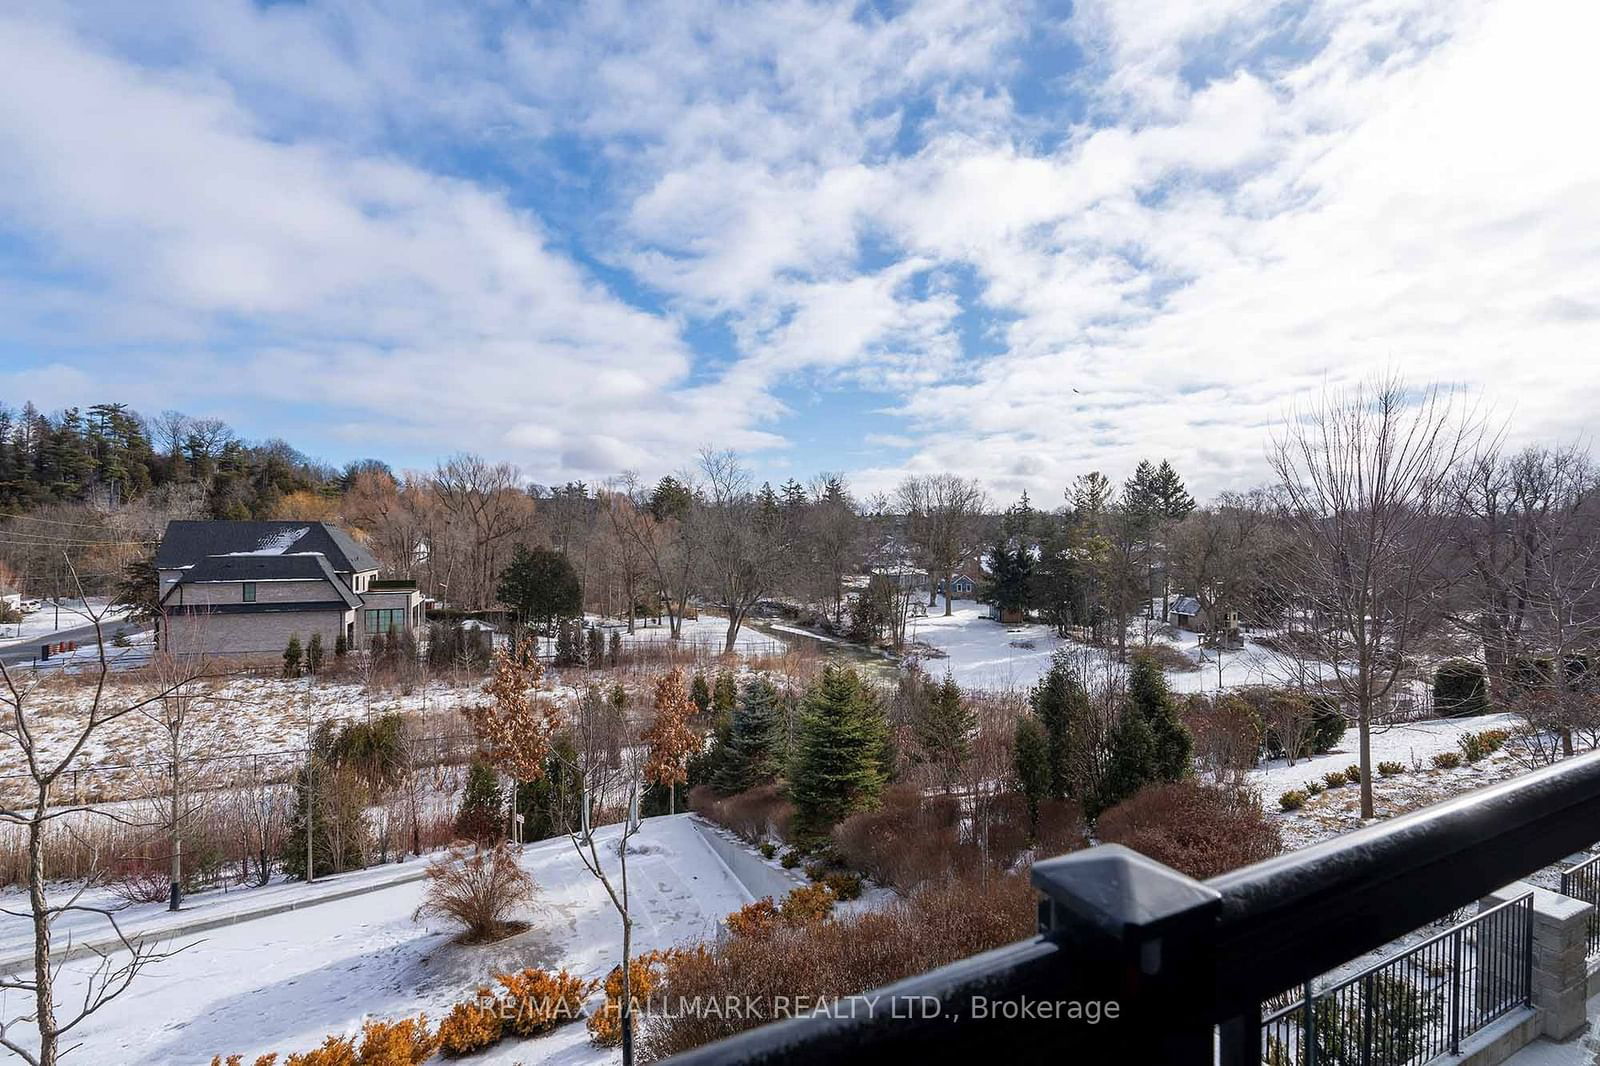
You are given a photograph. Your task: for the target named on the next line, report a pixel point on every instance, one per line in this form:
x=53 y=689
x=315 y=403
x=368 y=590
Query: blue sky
x=1014 y=240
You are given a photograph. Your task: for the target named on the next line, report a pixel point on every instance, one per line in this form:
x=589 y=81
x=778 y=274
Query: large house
x=243 y=588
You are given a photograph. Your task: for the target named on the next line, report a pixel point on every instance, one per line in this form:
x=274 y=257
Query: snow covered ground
x=981 y=653
x=37 y=626
x=282 y=983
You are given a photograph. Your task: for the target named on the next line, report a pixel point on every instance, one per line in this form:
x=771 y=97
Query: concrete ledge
x=758 y=877
x=1497 y=1041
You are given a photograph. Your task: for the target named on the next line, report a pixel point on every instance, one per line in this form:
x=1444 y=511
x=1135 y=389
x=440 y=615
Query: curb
x=80 y=948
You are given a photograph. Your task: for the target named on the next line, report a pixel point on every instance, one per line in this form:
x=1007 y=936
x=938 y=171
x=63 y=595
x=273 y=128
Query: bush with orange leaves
x=754 y=919
x=536 y=1002
x=644 y=974
x=471 y=1027
x=807 y=905
x=406 y=1042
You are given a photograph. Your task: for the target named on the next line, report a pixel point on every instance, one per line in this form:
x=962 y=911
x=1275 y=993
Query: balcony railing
x=1189 y=964
x=1583 y=882
x=1415 y=1006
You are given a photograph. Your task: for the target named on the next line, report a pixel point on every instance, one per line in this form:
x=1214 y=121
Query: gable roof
x=1186 y=605
x=298 y=566
x=186 y=543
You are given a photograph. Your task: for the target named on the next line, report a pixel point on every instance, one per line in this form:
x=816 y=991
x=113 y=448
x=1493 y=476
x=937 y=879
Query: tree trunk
x=44 y=998
x=1364 y=717
x=672 y=798
x=733 y=633
x=949 y=585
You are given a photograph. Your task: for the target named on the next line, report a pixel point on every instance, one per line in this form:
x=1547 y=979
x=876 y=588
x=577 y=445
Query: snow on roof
x=276 y=542
x=1186 y=605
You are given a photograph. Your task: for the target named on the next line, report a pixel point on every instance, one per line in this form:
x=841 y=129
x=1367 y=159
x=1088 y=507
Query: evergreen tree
x=944 y=731
x=341 y=646
x=723 y=696
x=1173 y=501
x=1060 y=703
x=700 y=693
x=1150 y=744
x=314 y=654
x=838 y=766
x=614 y=653
x=754 y=746
x=541 y=586
x=1151 y=699
x=1030 y=761
x=1090 y=495
x=481 y=817
x=292 y=656
x=1011 y=576
x=597 y=648
x=1131 y=762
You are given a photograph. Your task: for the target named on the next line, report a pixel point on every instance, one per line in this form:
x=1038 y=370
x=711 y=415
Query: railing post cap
x=1120 y=891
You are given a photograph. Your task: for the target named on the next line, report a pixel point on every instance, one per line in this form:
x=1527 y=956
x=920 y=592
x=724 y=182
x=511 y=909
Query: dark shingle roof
x=185 y=543
x=1186 y=605
x=300 y=566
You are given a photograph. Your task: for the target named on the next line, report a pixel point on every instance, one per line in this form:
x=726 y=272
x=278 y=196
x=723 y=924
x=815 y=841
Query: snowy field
x=282 y=983
x=981 y=653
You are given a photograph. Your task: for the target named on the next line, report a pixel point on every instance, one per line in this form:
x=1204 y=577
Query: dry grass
x=479 y=890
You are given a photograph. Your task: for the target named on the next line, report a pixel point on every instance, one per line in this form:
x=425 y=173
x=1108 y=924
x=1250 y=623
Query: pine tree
x=597 y=648
x=1060 y=704
x=754 y=746
x=314 y=654
x=1030 y=762
x=700 y=693
x=482 y=805
x=291 y=656
x=614 y=653
x=1172 y=499
x=944 y=731
x=839 y=760
x=341 y=646
x=1090 y=495
x=1131 y=764
x=1149 y=696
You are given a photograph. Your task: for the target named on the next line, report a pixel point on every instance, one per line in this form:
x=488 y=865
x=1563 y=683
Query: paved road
x=26 y=652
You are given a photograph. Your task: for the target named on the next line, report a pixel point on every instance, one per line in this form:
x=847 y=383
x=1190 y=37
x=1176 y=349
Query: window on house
x=249 y=592
x=385 y=619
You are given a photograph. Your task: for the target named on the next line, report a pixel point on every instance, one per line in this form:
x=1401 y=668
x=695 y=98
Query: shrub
x=754 y=919
x=470 y=1027
x=540 y=1001
x=844 y=884
x=807 y=904
x=605 y=1025
x=790 y=860
x=1460 y=689
x=1335 y=779
x=1202 y=830
x=1391 y=769
x=752 y=815
x=1446 y=760
x=768 y=849
x=406 y=1042
x=479 y=891
x=1292 y=800
x=1312 y=788
x=1352 y=773
x=1059 y=831
x=841 y=956
x=482 y=814
x=1475 y=746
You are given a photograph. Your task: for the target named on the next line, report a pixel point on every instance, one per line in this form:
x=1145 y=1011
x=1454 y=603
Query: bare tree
x=664 y=523
x=600 y=776
x=943 y=522
x=44 y=766
x=624 y=552
x=181 y=800
x=1365 y=474
x=743 y=541
x=486 y=507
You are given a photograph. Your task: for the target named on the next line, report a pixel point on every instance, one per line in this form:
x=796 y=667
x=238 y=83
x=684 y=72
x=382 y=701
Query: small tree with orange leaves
x=516 y=729
x=671 y=738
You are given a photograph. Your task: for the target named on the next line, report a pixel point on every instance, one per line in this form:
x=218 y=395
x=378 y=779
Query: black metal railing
x=1583 y=882
x=1415 y=1006
x=1189 y=964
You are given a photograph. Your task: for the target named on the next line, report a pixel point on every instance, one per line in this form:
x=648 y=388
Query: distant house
x=242 y=588
x=10 y=598
x=963 y=587
x=1186 y=613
